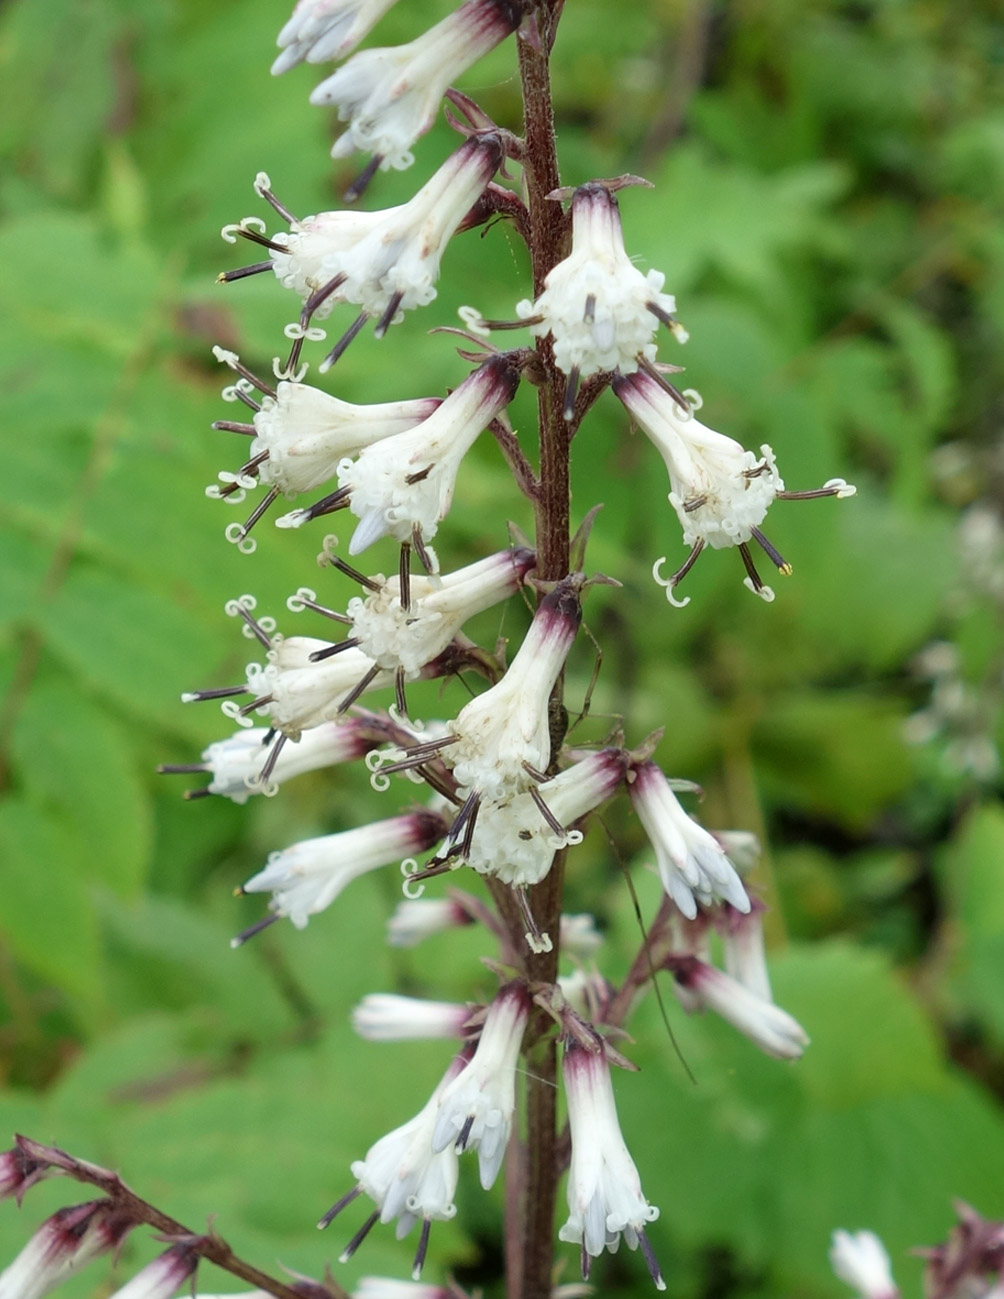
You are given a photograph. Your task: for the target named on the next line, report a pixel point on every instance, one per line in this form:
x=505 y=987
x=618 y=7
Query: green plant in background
x=830 y=217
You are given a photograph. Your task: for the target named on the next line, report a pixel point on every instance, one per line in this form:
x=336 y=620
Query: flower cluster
x=496 y=794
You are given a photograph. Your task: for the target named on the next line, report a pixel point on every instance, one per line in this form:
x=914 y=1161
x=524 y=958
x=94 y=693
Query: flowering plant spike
x=498 y=786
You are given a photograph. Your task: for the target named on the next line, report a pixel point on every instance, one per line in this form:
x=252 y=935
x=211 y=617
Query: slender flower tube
x=403 y=486
x=65 y=1243
x=745 y=956
x=476 y=1108
x=513 y=840
x=502 y=737
x=385 y=1017
x=319 y=30
x=385 y=1287
x=692 y=864
x=860 y=1259
x=235 y=765
x=600 y=310
x=769 y=1027
x=394 y=635
x=296 y=693
x=302 y=434
x=386 y=262
x=416 y=919
x=307 y=877
x=720 y=492
x=160 y=1279
x=405 y=1178
x=390 y=96
x=605 y=1199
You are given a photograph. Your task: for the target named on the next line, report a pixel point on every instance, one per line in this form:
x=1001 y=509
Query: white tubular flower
x=505 y=730
x=390 y=97
x=416 y=919
x=386 y=262
x=720 y=492
x=296 y=694
x=860 y=1259
x=403 y=486
x=587 y=992
x=475 y=1109
x=322 y=30
x=305 y=433
x=598 y=307
x=235 y=764
x=385 y=1287
x=745 y=956
x=386 y=1017
x=692 y=864
x=394 y=636
x=605 y=1199
x=769 y=1027
x=514 y=842
x=65 y=1243
x=160 y=1279
x=307 y=877
x=406 y=1178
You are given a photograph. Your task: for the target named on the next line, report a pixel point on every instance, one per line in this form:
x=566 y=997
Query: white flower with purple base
x=322 y=30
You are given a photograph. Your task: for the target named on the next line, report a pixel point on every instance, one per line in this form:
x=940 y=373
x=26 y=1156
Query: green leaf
x=76 y=762
x=48 y=915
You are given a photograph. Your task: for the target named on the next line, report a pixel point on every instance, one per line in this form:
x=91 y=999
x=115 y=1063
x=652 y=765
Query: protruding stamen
x=181 y=768
x=260 y=702
x=655 y=1271
x=336 y=500
x=249 y=620
x=353 y=573
x=420 y=1253
x=271 y=760
x=190 y=795
x=645 y=364
x=247 y=399
x=254 y=237
x=223 y=692
x=359 y=1237
x=242 y=272
x=358 y=186
x=250 y=932
x=235 y=364
x=571 y=392
x=399 y=696
x=546 y=812
x=339 y=348
x=419 y=477
x=589 y=315
x=230 y=426
x=687 y=564
x=694 y=503
x=337 y=1207
x=264 y=192
x=417 y=756
x=330 y=651
x=534 y=774
x=532 y=928
x=320 y=296
x=463 y=1136
x=359 y=689
x=314 y=607
x=751 y=572
x=773 y=554
x=585 y=1263
x=425 y=558
x=404 y=575
x=387 y=319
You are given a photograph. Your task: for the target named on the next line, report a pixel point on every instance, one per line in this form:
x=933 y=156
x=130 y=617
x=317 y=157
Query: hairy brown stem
x=546 y=225
x=210 y=1246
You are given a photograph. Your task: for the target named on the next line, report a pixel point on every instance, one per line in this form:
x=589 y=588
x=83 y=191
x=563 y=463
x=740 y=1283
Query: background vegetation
x=829 y=188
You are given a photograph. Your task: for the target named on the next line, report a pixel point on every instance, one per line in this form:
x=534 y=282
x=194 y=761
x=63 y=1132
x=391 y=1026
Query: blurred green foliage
x=828 y=203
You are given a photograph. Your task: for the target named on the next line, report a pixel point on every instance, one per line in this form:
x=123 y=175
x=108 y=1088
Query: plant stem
x=546 y=225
